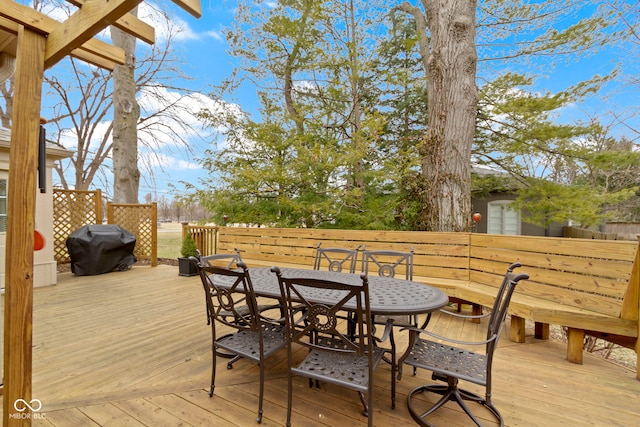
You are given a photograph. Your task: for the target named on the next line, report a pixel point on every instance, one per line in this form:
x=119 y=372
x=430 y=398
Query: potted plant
x=188 y=249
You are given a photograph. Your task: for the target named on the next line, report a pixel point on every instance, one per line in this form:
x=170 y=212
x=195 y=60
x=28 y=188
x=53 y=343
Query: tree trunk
x=450 y=60
x=126 y=111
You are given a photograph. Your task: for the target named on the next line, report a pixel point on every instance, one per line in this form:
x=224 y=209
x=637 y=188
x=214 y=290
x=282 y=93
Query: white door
x=502 y=218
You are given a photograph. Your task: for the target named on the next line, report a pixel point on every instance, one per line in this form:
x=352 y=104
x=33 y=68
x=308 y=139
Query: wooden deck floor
x=133 y=348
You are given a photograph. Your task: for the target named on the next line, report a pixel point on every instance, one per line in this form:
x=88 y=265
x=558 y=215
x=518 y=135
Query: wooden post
x=541 y=330
x=635 y=283
x=23 y=164
x=517 y=331
x=575 y=344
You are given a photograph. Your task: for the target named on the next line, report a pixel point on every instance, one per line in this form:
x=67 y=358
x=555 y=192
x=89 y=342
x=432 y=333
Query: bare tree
x=83 y=116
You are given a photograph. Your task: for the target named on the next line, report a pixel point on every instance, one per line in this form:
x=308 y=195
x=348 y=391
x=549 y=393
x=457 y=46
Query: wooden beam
x=130 y=24
x=98 y=48
x=191 y=6
x=96 y=60
x=25 y=15
x=93 y=17
x=23 y=161
x=15 y=14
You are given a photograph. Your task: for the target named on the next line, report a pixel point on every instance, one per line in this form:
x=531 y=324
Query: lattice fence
x=141 y=221
x=71 y=210
x=74 y=208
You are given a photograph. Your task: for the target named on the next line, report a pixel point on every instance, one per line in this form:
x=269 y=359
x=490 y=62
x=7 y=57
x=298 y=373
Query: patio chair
x=336 y=259
x=333 y=357
x=452 y=364
x=229 y=261
x=388 y=263
x=231 y=302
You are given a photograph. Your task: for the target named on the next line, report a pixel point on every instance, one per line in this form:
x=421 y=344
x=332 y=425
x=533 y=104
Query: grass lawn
x=169 y=243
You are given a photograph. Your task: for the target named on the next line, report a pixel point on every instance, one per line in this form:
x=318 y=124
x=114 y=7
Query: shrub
x=189 y=247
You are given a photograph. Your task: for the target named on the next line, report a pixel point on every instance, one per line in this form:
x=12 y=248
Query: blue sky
x=203 y=50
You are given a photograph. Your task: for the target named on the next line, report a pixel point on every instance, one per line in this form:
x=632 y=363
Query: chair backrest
x=320 y=321
x=501 y=304
x=229 y=296
x=336 y=259
x=388 y=263
x=221 y=260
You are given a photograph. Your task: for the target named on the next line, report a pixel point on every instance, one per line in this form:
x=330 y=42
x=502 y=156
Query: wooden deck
x=133 y=348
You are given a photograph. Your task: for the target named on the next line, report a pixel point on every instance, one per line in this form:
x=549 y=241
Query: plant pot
x=186 y=268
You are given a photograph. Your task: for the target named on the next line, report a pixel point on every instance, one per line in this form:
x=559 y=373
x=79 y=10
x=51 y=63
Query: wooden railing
x=205 y=236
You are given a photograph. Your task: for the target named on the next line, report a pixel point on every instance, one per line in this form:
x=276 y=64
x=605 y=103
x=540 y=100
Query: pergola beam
x=14 y=14
x=130 y=24
x=90 y=19
x=191 y=6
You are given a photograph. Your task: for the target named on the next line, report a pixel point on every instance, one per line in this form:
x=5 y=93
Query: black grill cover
x=100 y=248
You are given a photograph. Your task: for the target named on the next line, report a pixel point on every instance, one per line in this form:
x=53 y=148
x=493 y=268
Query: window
x=502 y=219
x=3 y=205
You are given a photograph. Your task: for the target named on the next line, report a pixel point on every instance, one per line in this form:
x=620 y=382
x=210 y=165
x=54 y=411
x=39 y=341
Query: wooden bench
x=588 y=286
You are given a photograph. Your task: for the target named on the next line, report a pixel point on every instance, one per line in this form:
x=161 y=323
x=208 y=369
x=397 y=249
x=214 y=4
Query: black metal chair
x=231 y=302
x=333 y=357
x=389 y=263
x=336 y=259
x=230 y=261
x=452 y=364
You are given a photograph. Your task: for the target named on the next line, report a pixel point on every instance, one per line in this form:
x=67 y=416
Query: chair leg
x=260 y=398
x=232 y=361
x=213 y=370
x=290 y=395
x=450 y=392
x=365 y=412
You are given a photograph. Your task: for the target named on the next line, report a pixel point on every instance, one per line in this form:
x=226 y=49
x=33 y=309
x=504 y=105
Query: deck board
x=133 y=348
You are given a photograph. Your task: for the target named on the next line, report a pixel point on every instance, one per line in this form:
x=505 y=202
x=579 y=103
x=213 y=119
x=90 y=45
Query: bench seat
x=543 y=312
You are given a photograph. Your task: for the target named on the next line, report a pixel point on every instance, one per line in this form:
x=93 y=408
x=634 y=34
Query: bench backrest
x=590 y=274
x=442 y=255
x=583 y=273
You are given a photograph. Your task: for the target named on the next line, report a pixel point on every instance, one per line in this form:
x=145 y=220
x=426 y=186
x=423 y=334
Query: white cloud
x=175 y=27
x=152 y=160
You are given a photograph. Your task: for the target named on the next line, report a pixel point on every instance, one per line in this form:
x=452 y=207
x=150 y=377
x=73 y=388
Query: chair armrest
x=387 y=334
x=465 y=316
x=417 y=331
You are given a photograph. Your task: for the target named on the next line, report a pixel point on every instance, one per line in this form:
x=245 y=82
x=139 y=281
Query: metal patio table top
x=388 y=295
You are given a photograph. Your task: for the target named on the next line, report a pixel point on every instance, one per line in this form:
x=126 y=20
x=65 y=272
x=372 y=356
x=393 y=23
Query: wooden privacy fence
x=73 y=209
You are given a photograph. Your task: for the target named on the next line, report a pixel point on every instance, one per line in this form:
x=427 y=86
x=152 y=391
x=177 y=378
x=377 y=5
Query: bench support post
x=575 y=343
x=517 y=333
x=638 y=356
x=542 y=331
